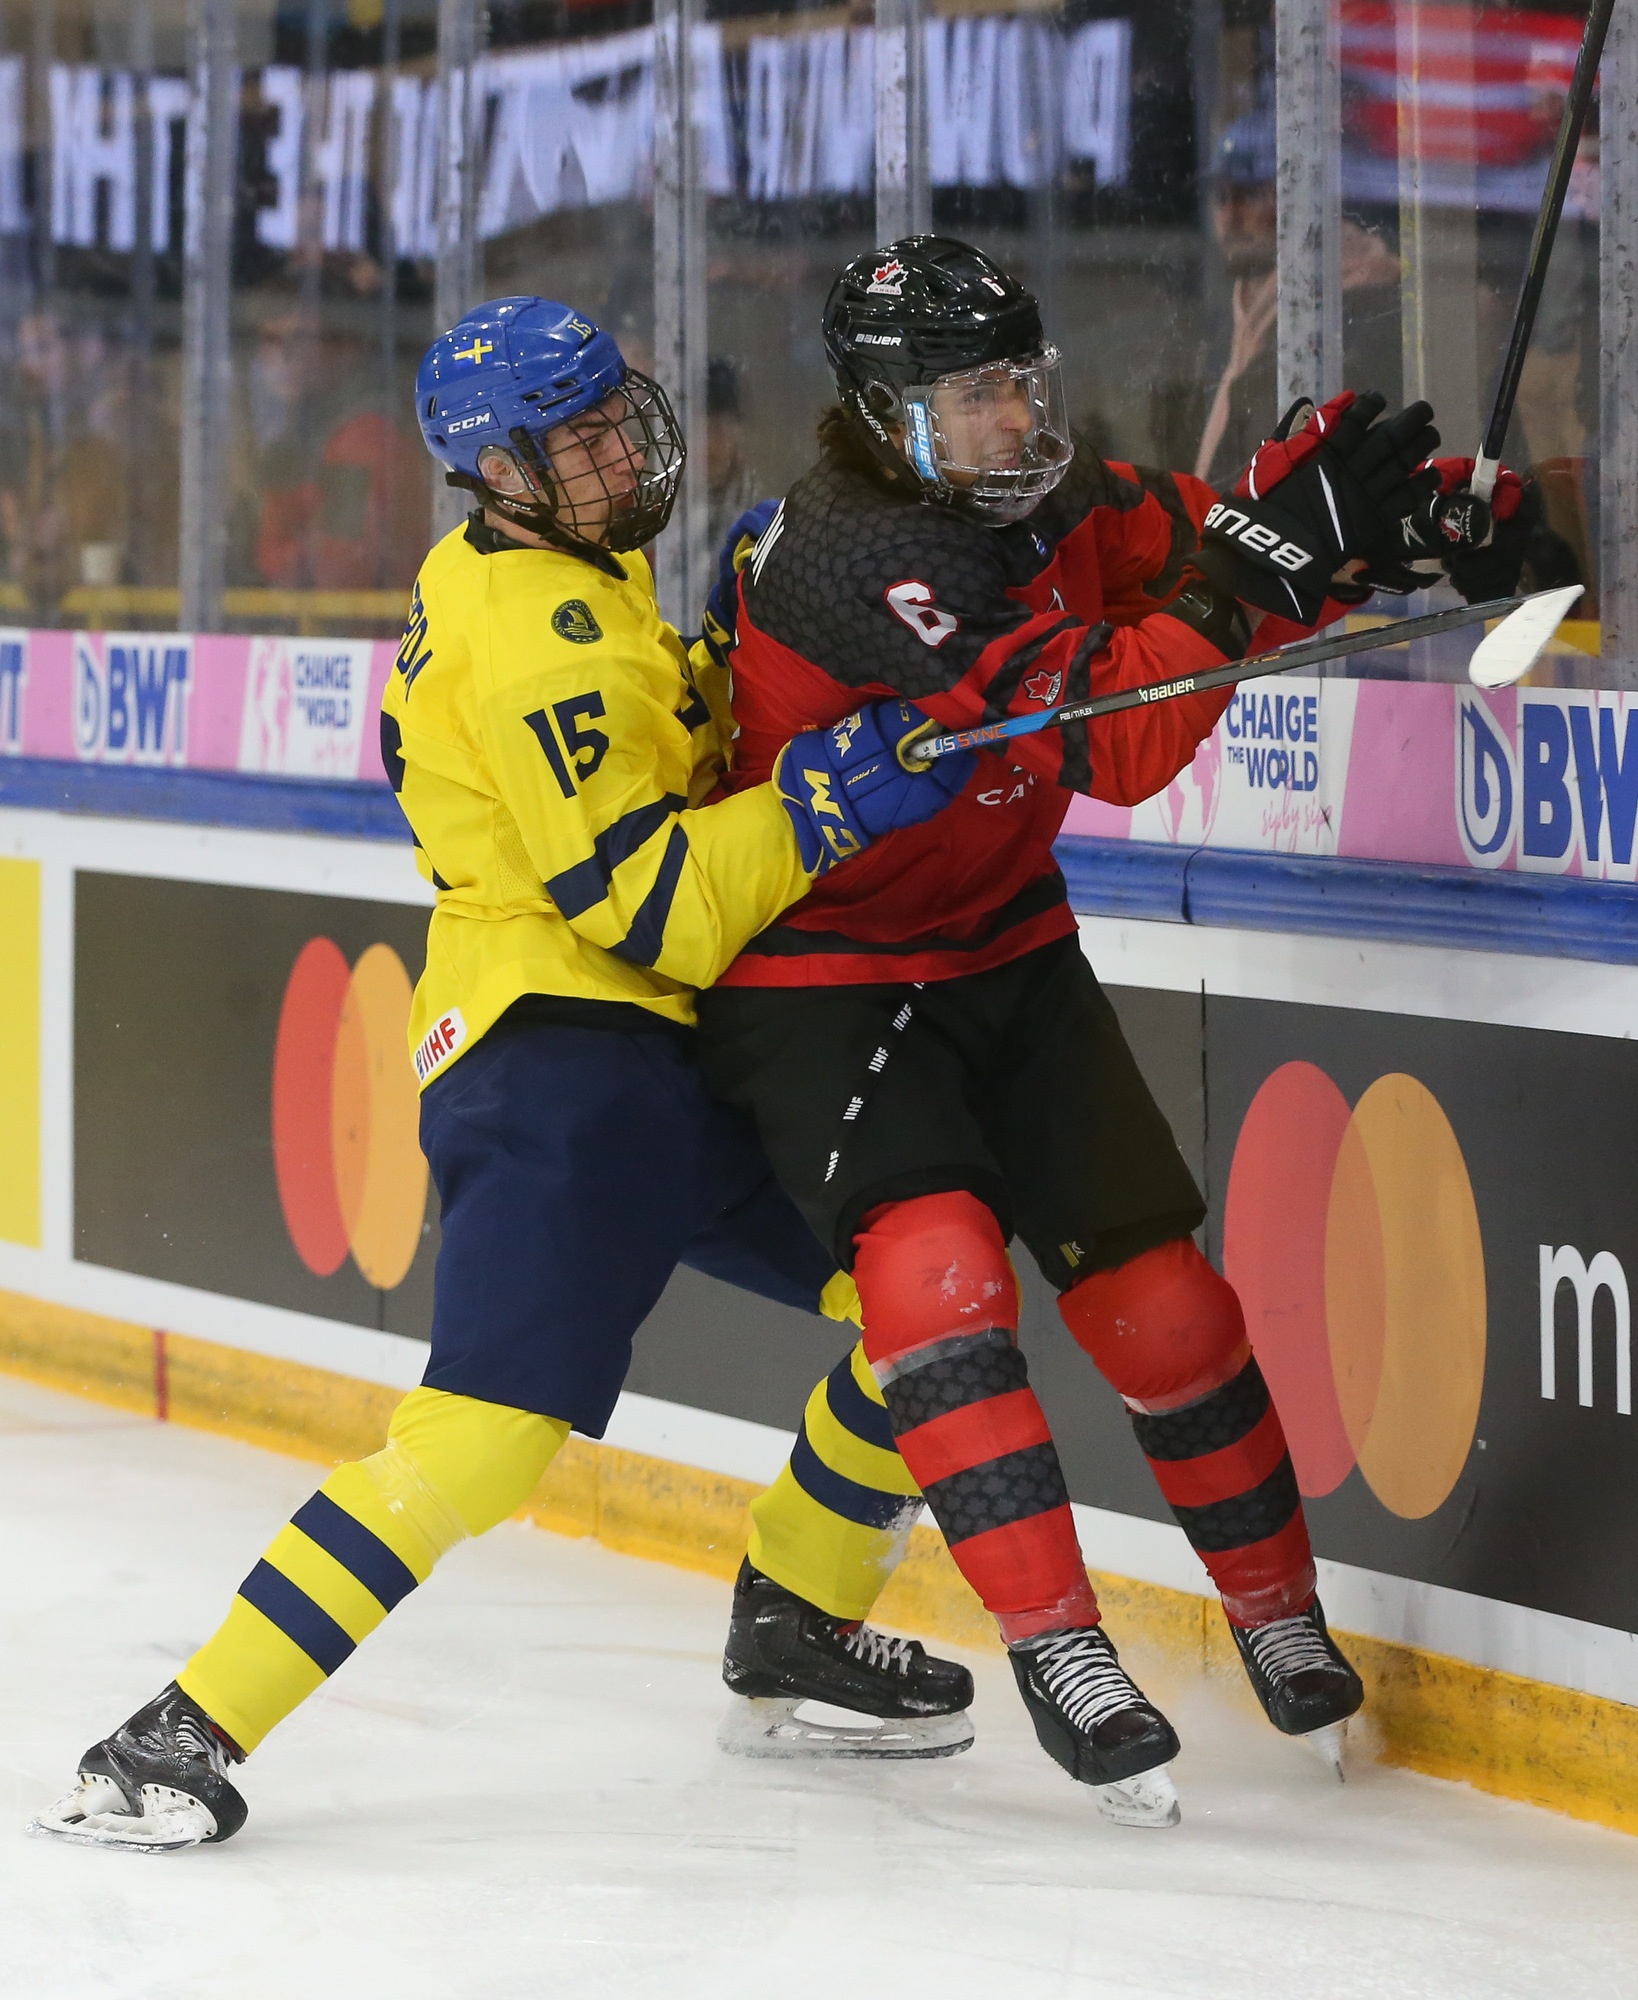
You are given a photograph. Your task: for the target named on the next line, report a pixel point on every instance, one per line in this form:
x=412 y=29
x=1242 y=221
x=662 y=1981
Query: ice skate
x=1095 y=1721
x=783 y=1651
x=159 y=1782
x=1303 y=1680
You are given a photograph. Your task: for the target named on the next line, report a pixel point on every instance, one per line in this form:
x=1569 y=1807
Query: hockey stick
x=1501 y=658
x=1576 y=105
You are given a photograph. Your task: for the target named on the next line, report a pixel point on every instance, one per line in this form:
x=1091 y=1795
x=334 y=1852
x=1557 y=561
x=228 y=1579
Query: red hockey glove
x=1328 y=486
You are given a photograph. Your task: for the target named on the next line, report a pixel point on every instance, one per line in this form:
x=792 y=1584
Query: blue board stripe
x=359 y=1550
x=862 y=1505
x=1468 y=909
x=358 y=811
x=1472 y=909
x=303 y=1623
x=854 y=1410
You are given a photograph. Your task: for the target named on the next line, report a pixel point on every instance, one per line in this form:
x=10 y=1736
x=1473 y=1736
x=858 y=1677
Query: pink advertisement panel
x=1540 y=779
x=292 y=707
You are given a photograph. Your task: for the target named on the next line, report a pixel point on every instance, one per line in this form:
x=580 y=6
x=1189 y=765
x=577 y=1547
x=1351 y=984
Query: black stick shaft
x=917 y=751
x=1576 y=106
x=1310 y=653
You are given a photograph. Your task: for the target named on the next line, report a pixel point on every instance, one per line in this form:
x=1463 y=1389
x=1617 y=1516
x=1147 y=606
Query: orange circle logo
x=346 y=1146
x=1353 y=1241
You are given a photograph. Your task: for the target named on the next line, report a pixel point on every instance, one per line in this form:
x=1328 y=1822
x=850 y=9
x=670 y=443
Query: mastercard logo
x=346 y=1144
x=1353 y=1240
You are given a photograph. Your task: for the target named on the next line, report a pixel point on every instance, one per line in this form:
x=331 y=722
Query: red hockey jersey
x=855 y=594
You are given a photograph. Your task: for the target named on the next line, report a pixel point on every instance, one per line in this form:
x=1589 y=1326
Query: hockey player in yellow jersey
x=557 y=752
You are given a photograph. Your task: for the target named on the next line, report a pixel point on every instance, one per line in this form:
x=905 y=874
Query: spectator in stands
x=65 y=493
x=342 y=500
x=730 y=477
x=1245 y=405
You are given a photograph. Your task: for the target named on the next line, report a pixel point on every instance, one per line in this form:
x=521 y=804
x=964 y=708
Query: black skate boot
x=1303 y=1680
x=1096 y=1722
x=783 y=1651
x=160 y=1781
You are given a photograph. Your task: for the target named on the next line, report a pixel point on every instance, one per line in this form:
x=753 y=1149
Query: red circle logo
x=346 y=1150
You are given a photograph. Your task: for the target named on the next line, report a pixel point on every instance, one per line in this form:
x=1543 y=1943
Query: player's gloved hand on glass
x=845 y=787
x=722 y=603
x=1325 y=489
x=1480 y=545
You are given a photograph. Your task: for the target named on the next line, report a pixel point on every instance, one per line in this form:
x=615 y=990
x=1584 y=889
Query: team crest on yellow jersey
x=575 y=621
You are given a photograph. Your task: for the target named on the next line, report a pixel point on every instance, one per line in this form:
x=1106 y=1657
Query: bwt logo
x=13 y=682
x=1566 y=1266
x=131 y=704
x=1557 y=791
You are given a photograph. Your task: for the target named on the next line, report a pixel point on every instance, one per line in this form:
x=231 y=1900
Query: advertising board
x=1429 y=1222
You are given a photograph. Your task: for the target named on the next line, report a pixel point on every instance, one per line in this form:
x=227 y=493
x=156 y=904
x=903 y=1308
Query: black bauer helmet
x=939 y=354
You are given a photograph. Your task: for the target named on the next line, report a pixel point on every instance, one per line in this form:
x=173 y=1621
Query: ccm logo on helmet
x=475 y=422
x=1253 y=535
x=913 y=602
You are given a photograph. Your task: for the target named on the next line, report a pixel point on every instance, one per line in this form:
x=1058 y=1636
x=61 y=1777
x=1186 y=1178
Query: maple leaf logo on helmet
x=1044 y=687
x=887 y=278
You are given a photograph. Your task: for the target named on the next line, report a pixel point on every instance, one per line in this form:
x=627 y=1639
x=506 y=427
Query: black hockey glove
x=1480 y=545
x=1327 y=487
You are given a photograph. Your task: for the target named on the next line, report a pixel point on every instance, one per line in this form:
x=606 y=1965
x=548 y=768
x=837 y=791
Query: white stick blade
x=1507 y=654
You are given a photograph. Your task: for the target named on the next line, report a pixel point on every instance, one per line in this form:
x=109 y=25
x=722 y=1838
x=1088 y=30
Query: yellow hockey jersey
x=552 y=745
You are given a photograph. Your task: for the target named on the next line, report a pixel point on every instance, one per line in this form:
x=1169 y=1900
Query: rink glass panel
x=1063 y=141
x=1121 y=159
x=1448 y=117
x=90 y=312
x=328 y=493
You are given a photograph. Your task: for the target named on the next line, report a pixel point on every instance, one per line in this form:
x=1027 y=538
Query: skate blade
x=94 y=1815
x=764 y=1726
x=1149 y=1799
x=1327 y=1744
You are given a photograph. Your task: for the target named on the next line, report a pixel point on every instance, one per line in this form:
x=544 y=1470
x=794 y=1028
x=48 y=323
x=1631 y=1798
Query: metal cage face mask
x=996 y=436
x=619 y=470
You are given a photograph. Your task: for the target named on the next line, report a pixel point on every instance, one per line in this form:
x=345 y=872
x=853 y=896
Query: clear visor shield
x=998 y=436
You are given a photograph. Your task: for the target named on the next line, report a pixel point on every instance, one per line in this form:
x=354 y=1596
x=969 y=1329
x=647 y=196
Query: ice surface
x=514 y=1790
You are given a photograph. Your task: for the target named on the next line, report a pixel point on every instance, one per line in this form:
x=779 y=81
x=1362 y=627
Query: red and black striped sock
x=1166 y=1330
x=964 y=1417
x=1226 y=1474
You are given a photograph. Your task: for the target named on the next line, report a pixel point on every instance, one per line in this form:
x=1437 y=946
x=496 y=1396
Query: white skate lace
x=1083 y=1677
x=1289 y=1646
x=876 y=1649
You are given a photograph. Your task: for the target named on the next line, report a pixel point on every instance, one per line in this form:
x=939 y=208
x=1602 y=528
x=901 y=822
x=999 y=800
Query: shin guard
x=941 y=1310
x=1167 y=1332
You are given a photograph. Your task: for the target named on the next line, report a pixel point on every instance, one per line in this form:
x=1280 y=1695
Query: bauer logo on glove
x=1324 y=489
x=844 y=786
x=1255 y=536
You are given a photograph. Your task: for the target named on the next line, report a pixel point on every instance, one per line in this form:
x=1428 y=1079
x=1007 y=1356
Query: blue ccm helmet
x=513 y=369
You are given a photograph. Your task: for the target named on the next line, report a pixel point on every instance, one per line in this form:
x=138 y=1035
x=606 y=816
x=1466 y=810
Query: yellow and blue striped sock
x=836 y=1521
x=452 y=1467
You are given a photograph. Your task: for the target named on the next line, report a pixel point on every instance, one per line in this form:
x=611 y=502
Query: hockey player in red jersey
x=930 y=1061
